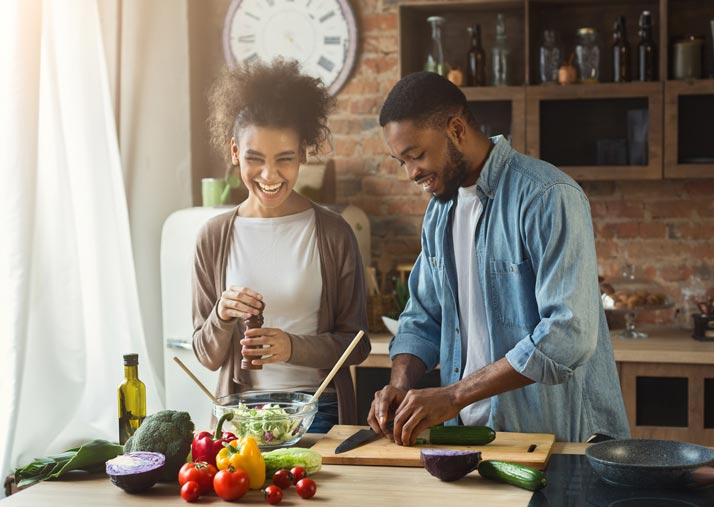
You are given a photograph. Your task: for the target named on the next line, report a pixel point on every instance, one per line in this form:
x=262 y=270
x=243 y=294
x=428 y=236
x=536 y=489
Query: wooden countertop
x=663 y=345
x=343 y=485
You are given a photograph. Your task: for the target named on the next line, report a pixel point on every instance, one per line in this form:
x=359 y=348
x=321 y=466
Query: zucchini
x=461 y=435
x=516 y=474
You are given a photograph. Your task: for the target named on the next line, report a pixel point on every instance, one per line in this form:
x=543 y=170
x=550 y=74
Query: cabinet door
x=689 y=114
x=597 y=131
x=669 y=401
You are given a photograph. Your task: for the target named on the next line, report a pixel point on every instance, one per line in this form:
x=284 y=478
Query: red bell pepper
x=205 y=445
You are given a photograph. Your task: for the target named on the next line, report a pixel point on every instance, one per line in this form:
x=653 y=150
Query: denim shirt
x=538 y=269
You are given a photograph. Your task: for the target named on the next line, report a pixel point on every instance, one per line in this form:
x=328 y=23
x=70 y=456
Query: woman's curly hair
x=273 y=95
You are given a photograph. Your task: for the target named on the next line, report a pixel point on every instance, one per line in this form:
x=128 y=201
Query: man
x=504 y=294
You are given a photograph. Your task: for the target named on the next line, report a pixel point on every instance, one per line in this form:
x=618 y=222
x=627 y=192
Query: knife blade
x=355 y=440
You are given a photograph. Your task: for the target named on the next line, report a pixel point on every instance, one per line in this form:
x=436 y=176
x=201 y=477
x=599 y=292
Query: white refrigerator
x=178 y=241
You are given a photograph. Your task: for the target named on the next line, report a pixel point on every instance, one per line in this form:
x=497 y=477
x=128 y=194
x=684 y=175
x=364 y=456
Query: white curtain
x=69 y=305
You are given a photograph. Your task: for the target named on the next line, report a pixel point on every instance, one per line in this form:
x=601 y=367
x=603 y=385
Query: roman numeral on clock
x=326 y=64
x=332 y=39
x=251 y=58
x=249 y=38
x=327 y=16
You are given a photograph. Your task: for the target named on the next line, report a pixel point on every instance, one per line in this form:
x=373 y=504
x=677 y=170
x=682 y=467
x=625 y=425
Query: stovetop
x=573 y=483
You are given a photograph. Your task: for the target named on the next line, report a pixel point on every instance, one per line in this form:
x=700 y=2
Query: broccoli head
x=169 y=432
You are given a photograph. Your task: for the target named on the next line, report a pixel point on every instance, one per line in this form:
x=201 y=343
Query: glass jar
x=435 y=55
x=549 y=58
x=500 y=54
x=587 y=55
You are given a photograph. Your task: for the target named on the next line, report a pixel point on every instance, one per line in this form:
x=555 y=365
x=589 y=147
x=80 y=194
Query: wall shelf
x=531 y=110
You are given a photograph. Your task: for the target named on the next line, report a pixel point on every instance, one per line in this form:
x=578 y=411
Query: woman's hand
x=274 y=345
x=239 y=302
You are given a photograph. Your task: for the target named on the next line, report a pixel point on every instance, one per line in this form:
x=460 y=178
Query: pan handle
x=703 y=476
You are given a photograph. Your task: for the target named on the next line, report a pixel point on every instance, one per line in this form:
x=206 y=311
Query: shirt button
x=456 y=370
x=457 y=330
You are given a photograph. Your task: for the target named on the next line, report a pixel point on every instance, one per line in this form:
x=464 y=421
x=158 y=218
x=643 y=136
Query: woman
x=277 y=252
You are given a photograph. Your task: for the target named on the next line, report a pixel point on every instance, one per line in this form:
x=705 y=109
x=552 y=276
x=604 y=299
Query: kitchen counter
x=343 y=485
x=663 y=345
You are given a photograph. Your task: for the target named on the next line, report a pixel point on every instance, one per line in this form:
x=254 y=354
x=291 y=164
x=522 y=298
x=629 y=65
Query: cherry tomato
x=273 y=494
x=283 y=479
x=201 y=472
x=231 y=485
x=190 y=491
x=298 y=473
x=306 y=488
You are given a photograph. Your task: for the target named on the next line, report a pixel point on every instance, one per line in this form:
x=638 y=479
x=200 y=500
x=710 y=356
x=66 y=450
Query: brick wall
x=663 y=227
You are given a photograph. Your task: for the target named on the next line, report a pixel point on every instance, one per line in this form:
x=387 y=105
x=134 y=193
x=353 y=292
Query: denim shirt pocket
x=513 y=293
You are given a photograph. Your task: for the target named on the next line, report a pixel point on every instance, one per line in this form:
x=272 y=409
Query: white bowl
x=391 y=324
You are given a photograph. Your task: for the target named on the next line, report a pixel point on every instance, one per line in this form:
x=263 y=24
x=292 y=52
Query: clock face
x=320 y=34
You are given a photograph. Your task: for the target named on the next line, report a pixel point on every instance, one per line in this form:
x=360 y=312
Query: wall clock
x=320 y=34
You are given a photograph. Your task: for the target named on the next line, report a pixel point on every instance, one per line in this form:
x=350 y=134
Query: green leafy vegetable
x=269 y=424
x=290 y=457
x=90 y=457
x=169 y=432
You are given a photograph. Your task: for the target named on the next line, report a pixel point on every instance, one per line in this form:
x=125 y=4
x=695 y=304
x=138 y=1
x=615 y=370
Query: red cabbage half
x=136 y=471
x=449 y=465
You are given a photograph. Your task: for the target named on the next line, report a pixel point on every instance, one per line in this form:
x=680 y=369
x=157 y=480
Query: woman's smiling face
x=269 y=160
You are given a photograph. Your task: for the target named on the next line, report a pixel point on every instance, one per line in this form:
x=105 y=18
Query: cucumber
x=516 y=474
x=461 y=435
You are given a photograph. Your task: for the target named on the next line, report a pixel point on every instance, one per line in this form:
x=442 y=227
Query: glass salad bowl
x=630 y=295
x=273 y=418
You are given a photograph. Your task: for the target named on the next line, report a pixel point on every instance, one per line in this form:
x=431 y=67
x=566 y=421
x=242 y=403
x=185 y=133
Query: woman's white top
x=279 y=258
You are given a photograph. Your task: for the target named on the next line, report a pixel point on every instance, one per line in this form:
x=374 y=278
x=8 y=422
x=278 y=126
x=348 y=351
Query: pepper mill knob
x=253 y=322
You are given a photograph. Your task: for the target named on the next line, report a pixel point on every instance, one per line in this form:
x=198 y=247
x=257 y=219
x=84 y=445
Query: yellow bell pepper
x=244 y=454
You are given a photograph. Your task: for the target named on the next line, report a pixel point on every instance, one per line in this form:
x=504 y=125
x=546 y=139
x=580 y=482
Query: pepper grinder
x=254 y=322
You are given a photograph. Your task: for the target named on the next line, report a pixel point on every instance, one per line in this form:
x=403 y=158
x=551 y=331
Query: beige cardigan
x=342 y=310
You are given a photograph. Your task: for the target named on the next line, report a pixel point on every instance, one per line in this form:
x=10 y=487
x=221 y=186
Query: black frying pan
x=652 y=463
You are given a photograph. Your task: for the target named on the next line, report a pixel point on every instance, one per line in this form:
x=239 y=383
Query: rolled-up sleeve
x=561 y=247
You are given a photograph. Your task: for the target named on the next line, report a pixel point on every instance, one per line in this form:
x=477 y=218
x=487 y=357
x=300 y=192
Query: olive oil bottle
x=132 y=399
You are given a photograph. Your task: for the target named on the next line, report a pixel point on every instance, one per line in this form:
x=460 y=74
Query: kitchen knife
x=355 y=440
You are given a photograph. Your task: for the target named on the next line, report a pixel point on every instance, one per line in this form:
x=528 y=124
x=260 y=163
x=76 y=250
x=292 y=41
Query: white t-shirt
x=279 y=258
x=475 y=344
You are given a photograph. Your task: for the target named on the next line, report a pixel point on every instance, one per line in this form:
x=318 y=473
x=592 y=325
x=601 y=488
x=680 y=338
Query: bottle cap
x=131 y=359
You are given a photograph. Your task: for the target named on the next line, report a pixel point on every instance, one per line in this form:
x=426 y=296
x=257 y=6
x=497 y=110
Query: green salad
x=268 y=425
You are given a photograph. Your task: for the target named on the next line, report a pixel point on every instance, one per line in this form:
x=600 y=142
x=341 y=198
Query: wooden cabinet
x=689 y=113
x=595 y=131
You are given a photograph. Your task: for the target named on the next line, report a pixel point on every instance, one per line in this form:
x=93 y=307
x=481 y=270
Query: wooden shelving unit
x=535 y=116
x=574 y=133
x=688 y=144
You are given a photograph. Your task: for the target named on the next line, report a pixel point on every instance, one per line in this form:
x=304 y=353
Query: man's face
x=429 y=157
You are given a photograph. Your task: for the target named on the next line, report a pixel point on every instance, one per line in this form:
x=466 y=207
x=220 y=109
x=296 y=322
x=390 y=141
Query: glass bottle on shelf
x=435 y=55
x=646 y=49
x=549 y=57
x=132 y=399
x=620 y=52
x=587 y=55
x=500 y=54
x=475 y=59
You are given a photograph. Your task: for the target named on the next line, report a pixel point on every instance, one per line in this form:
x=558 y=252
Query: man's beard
x=453 y=174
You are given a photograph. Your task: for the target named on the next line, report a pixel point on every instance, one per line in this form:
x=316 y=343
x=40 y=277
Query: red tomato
x=201 y=472
x=190 y=491
x=306 y=488
x=283 y=479
x=298 y=473
x=273 y=494
x=231 y=485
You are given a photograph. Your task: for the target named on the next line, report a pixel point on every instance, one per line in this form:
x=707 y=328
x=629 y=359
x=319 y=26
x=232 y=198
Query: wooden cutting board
x=507 y=446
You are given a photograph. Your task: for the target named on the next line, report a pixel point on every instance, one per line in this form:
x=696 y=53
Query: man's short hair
x=427 y=99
